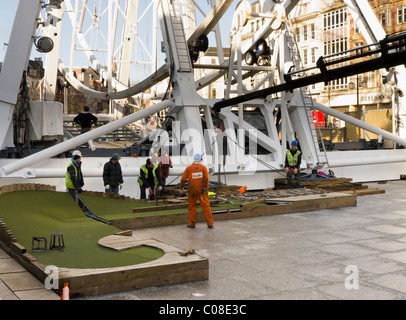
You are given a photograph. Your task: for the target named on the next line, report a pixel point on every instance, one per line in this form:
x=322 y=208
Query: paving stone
x=18 y=281
x=6 y=293
x=348 y=249
x=397 y=256
x=388 y=228
x=9 y=265
x=394 y=281
x=374 y=264
x=36 y=294
x=365 y=291
x=382 y=244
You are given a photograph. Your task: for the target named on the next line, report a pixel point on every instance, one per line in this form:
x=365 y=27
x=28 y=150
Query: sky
x=9 y=8
x=7 y=13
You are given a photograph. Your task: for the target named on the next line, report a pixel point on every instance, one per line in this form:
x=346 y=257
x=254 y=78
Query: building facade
x=364 y=96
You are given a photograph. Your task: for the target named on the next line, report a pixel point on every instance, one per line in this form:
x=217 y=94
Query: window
x=305 y=60
x=356 y=29
x=313 y=31
x=404 y=14
x=305 y=33
x=313 y=53
x=401 y=15
x=388 y=17
x=297 y=35
x=382 y=17
x=334 y=19
x=372 y=79
x=358 y=44
x=336 y=46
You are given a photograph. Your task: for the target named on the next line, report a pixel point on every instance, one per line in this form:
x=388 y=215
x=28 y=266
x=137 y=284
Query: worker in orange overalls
x=198 y=177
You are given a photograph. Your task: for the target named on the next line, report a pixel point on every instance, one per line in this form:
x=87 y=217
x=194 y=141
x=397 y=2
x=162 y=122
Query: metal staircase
x=182 y=52
x=307 y=102
x=72 y=130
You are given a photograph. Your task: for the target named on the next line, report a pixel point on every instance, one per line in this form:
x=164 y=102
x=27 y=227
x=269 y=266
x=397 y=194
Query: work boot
x=190 y=226
x=210 y=227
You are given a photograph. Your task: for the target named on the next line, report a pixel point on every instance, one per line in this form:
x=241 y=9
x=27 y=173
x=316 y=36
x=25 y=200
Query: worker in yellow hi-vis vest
x=292 y=165
x=74 y=176
x=150 y=179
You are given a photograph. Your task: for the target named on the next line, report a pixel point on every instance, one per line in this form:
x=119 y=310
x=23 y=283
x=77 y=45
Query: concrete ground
x=347 y=253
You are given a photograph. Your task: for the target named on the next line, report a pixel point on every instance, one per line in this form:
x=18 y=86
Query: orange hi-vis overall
x=198 y=177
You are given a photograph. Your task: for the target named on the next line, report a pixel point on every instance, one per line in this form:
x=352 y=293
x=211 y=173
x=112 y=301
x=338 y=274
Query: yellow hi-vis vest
x=292 y=159
x=145 y=169
x=69 y=183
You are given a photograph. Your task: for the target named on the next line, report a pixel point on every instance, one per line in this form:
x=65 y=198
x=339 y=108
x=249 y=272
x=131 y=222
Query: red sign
x=320 y=119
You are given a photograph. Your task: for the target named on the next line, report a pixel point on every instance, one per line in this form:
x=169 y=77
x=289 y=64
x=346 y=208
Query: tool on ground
x=290 y=172
x=186 y=253
x=242 y=189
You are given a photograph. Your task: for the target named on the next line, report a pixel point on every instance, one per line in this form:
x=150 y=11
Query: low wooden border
x=248 y=210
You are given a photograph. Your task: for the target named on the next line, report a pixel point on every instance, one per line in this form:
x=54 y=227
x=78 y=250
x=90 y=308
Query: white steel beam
x=83 y=138
x=15 y=63
x=361 y=124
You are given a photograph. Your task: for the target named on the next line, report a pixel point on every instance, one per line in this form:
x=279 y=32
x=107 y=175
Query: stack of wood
x=332 y=185
x=250 y=196
x=25 y=187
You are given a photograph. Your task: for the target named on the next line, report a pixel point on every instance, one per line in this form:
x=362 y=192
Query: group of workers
x=153 y=174
x=152 y=177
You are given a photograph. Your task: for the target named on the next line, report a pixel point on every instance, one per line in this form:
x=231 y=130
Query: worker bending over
x=198 y=177
x=292 y=164
x=150 y=179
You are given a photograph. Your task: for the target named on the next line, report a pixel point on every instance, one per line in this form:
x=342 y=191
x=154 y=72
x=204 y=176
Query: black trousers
x=144 y=191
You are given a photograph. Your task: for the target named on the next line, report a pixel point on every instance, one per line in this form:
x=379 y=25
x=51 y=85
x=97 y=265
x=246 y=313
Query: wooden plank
x=365 y=192
x=162 y=207
x=244 y=205
x=167 y=207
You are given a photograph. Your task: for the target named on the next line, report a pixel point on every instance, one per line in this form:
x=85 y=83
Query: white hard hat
x=76 y=153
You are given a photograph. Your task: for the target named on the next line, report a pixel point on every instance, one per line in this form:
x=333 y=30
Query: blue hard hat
x=294 y=143
x=197 y=156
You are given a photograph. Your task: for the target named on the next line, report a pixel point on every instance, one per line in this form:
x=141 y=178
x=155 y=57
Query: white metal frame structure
x=184 y=104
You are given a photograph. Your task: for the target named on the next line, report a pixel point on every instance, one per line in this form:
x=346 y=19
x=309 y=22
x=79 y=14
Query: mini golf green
x=40 y=213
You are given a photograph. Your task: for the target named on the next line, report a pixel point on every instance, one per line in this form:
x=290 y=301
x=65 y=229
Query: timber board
x=291 y=204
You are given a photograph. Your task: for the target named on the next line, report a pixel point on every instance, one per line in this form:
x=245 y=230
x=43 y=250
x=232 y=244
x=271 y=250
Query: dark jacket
x=85 y=119
x=149 y=182
x=112 y=174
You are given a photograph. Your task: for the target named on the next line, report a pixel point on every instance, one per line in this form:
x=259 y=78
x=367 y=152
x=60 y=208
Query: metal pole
x=361 y=124
x=83 y=138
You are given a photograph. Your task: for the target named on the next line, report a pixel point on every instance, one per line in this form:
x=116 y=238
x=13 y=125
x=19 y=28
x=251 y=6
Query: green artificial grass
x=40 y=213
x=115 y=209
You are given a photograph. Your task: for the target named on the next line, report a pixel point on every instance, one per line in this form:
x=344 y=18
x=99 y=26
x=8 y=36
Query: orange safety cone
x=65 y=292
